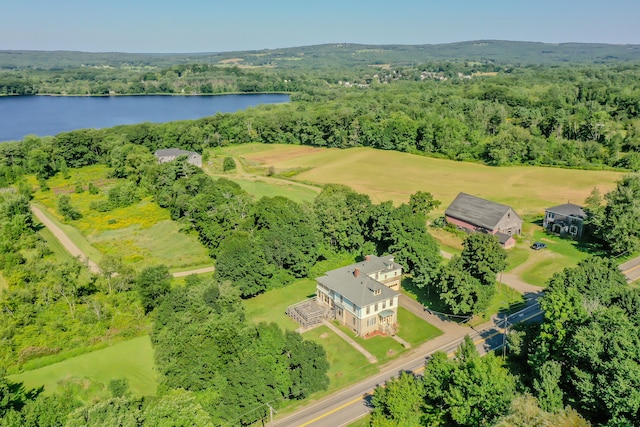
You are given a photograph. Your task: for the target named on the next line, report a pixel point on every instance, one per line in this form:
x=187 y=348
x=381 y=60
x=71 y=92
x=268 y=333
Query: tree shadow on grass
x=427 y=296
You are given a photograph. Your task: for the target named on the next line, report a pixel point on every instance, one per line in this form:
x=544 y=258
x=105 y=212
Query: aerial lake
x=50 y=115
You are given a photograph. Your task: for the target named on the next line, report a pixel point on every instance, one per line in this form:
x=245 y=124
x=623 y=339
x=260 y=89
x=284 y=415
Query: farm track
x=76 y=252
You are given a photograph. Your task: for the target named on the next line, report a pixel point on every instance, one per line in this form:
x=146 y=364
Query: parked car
x=538 y=245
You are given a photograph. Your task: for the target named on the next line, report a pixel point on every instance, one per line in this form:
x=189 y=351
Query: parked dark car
x=538 y=245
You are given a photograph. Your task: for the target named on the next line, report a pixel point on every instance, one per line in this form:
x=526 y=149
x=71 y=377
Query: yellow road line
x=631 y=269
x=357 y=399
x=318 y=418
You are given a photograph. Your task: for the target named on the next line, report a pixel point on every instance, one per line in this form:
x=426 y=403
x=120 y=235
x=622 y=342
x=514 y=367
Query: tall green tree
x=399 y=402
x=152 y=284
x=483 y=257
x=621 y=224
x=342 y=216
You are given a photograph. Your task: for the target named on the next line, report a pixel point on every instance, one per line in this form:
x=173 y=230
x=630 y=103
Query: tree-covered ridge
x=339 y=54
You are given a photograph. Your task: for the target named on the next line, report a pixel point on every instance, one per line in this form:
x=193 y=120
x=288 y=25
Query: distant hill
x=341 y=54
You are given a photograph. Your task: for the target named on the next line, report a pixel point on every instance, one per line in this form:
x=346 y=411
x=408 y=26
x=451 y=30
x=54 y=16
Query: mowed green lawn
x=346 y=364
x=539 y=266
x=271 y=306
x=131 y=359
x=142 y=234
x=260 y=188
x=391 y=175
x=415 y=330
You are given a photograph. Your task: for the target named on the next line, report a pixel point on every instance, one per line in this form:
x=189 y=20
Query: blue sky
x=216 y=26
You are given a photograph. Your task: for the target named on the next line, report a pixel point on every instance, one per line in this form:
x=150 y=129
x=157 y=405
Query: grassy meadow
x=254 y=178
x=143 y=234
x=132 y=359
x=391 y=175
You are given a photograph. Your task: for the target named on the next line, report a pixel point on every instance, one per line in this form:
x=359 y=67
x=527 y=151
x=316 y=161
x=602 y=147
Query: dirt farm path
x=66 y=242
x=75 y=251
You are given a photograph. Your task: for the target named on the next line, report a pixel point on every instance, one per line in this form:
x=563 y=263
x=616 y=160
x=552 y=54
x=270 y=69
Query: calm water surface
x=50 y=115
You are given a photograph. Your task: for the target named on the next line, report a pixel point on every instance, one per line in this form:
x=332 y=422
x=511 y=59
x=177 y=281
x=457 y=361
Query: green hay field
x=259 y=188
x=131 y=359
x=391 y=175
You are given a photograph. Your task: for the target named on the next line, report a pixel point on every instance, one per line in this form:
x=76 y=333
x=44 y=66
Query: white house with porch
x=363 y=296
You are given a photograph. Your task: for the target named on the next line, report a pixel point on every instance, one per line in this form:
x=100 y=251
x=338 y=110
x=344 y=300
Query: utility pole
x=271 y=411
x=504 y=337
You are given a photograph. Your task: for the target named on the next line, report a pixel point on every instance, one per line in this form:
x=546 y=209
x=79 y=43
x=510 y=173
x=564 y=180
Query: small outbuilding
x=170 y=154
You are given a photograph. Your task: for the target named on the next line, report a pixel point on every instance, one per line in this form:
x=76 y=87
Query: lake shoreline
x=49 y=115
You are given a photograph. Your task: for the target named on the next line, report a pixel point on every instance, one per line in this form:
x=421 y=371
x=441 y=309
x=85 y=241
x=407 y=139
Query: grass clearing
x=383 y=348
x=271 y=306
x=260 y=188
x=413 y=329
x=391 y=175
x=560 y=253
x=162 y=243
x=448 y=241
x=347 y=365
x=132 y=359
x=142 y=234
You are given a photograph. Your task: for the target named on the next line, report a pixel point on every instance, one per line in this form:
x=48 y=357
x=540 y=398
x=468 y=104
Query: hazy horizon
x=197 y=26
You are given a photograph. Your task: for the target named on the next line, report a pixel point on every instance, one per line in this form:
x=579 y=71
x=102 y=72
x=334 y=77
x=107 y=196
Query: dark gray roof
x=568 y=209
x=361 y=289
x=502 y=237
x=477 y=211
x=173 y=152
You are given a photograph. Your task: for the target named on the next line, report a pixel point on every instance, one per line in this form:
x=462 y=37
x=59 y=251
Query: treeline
x=192 y=79
x=580 y=366
x=570 y=117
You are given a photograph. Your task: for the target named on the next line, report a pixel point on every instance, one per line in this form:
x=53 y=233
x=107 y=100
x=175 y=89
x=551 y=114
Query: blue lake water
x=50 y=115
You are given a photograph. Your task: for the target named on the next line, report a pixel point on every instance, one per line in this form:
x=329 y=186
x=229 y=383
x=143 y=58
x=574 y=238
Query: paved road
x=631 y=269
x=348 y=405
x=75 y=251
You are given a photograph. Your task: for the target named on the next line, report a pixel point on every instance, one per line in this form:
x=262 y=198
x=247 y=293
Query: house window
x=341 y=301
x=353 y=319
x=375 y=307
x=551 y=215
x=371 y=321
x=391 y=303
x=368 y=309
x=384 y=305
x=573 y=230
x=396 y=273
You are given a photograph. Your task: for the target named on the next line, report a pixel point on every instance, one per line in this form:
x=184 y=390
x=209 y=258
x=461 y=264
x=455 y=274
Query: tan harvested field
x=390 y=175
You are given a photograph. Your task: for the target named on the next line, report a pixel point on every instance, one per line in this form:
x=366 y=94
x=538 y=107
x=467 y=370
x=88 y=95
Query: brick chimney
x=356 y=272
